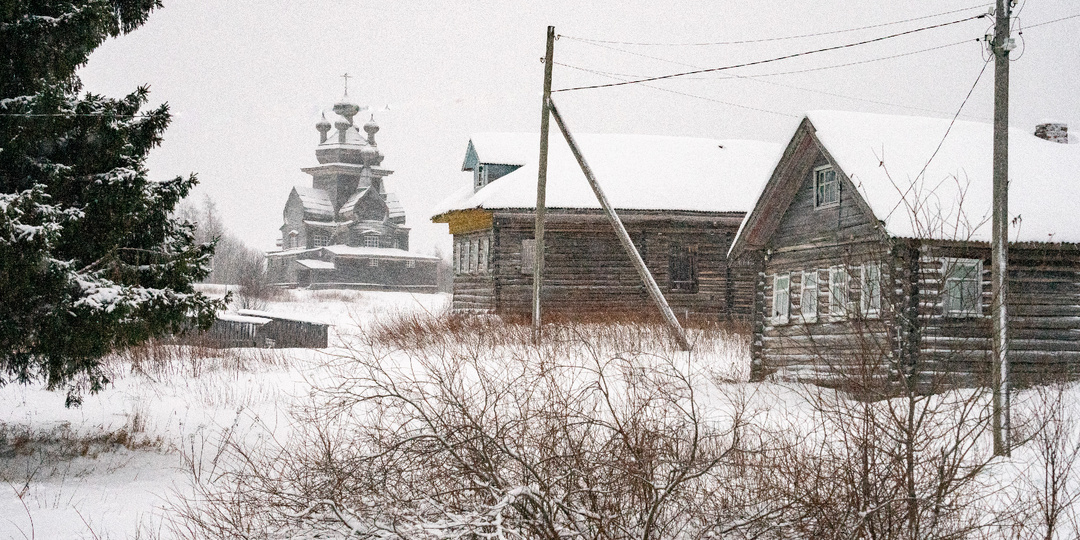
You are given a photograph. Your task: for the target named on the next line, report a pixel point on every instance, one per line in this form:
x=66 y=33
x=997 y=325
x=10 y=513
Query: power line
x=753 y=78
x=775 y=59
x=1053 y=21
x=764 y=40
x=670 y=91
x=793 y=72
x=903 y=196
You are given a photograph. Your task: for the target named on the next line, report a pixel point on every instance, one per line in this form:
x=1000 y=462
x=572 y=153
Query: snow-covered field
x=111 y=468
x=107 y=468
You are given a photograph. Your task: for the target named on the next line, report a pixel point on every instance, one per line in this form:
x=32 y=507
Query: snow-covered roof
x=272 y=316
x=315 y=201
x=350 y=204
x=885 y=157
x=502 y=149
x=365 y=251
x=233 y=317
x=393 y=206
x=315 y=264
x=640 y=172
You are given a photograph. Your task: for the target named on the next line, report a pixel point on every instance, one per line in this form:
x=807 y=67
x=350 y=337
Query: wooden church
x=345 y=230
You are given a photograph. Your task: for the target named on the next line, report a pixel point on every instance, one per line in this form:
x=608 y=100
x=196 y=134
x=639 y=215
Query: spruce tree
x=91 y=257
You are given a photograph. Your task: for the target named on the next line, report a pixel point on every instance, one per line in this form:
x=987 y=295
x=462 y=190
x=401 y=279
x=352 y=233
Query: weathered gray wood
x=624 y=237
x=541 y=187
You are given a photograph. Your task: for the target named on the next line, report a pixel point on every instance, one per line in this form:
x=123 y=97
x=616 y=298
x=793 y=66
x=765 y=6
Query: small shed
x=288 y=331
x=233 y=330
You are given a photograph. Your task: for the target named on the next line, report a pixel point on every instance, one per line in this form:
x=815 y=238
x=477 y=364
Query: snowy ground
x=106 y=469
x=109 y=468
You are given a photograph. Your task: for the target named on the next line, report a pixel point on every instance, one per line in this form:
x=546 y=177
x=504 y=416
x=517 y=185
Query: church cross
x=346 y=77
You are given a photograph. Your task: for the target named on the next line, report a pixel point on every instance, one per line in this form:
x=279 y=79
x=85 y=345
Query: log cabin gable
x=786 y=216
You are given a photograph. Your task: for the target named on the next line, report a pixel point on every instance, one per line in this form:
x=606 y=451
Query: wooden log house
x=681 y=200
x=874 y=249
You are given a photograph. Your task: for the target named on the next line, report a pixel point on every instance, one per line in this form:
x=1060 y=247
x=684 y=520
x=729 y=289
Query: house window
x=474 y=262
x=962 y=291
x=321 y=239
x=683 y=268
x=484 y=247
x=809 y=297
x=838 y=292
x=870 y=294
x=528 y=255
x=481 y=176
x=373 y=262
x=457 y=256
x=781 y=294
x=371 y=240
x=826 y=187
x=465 y=256
x=411 y=263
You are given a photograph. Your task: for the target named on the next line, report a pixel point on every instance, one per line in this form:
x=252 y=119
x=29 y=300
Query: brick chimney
x=1053 y=131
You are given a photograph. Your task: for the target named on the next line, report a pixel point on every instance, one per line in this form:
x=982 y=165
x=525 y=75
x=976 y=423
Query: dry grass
x=419 y=331
x=158 y=359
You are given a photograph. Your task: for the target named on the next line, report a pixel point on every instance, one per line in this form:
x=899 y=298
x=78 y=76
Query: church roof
x=350 y=204
x=639 y=172
x=315 y=201
x=393 y=205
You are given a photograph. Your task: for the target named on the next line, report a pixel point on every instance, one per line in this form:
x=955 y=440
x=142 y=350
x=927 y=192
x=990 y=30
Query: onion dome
x=371 y=128
x=323 y=127
x=346 y=108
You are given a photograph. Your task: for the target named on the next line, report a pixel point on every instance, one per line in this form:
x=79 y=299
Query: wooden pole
x=624 y=237
x=998 y=271
x=541 y=189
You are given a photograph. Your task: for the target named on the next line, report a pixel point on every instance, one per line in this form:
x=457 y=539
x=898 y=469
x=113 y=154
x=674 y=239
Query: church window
x=411 y=263
x=371 y=240
x=321 y=239
x=373 y=262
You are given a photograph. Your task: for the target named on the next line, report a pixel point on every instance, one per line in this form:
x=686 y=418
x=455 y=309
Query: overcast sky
x=246 y=79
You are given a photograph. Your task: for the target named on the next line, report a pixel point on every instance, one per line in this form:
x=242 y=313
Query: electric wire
x=764 y=40
x=943 y=137
x=774 y=59
x=753 y=78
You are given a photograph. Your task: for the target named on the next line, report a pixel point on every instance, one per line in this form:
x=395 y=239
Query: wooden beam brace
x=620 y=231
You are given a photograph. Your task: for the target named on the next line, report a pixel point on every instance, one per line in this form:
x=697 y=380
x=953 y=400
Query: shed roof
x=640 y=172
x=315 y=264
x=280 y=317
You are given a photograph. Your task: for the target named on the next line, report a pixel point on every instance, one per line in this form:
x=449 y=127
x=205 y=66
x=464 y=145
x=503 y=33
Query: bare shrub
x=458 y=427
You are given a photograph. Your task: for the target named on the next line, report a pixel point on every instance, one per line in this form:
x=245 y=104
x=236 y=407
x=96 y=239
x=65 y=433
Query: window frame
x=819 y=173
x=528 y=255
x=949 y=263
x=369 y=238
x=683 y=254
x=814 y=291
x=839 y=292
x=320 y=239
x=373 y=262
x=485 y=247
x=866 y=306
x=777 y=315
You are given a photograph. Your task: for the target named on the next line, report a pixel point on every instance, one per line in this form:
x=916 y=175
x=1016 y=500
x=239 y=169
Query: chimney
x=1053 y=131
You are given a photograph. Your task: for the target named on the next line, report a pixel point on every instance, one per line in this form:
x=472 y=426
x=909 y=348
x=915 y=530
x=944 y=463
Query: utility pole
x=541 y=188
x=1000 y=47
